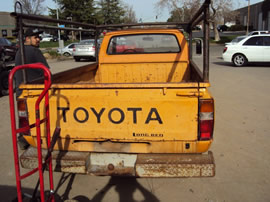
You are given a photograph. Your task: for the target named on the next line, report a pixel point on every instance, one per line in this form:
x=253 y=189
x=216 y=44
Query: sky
x=144 y=9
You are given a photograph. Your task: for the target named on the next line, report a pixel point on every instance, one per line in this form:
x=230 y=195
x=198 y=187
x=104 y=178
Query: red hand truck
x=42 y=163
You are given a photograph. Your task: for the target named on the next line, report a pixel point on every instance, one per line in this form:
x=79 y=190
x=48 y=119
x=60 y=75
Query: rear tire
x=66 y=54
x=77 y=59
x=4 y=82
x=239 y=60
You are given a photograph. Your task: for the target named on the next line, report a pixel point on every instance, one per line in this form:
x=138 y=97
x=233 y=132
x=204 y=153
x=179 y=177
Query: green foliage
x=78 y=10
x=224 y=39
x=94 y=12
x=53 y=53
x=175 y=16
x=110 y=12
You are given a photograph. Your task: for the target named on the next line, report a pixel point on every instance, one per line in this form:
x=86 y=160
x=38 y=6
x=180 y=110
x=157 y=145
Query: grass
x=224 y=39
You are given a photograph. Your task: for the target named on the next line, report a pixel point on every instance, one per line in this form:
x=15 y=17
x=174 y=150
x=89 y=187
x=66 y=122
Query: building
x=7 y=25
x=259 y=18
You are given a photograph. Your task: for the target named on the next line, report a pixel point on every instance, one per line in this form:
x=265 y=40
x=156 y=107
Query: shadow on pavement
x=124 y=186
x=249 y=65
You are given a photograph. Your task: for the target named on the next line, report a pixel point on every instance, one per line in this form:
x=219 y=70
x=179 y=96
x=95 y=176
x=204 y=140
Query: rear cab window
x=87 y=42
x=143 y=43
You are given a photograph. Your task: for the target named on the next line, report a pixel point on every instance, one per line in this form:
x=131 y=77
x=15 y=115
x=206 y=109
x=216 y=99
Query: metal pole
x=59 y=38
x=206 y=45
x=190 y=45
x=248 y=16
x=21 y=40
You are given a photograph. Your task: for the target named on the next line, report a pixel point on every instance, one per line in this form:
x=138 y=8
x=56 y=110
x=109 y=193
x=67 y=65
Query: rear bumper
x=119 y=164
x=84 y=54
x=227 y=57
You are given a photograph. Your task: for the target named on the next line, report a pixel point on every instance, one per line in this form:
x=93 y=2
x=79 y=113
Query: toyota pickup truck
x=143 y=109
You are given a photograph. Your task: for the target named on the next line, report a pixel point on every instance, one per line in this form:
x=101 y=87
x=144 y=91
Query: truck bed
x=90 y=76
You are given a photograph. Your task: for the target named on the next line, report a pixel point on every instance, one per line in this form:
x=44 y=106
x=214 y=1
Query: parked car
x=7 y=50
x=222 y=28
x=258 y=33
x=255 y=48
x=46 y=38
x=68 y=50
x=84 y=50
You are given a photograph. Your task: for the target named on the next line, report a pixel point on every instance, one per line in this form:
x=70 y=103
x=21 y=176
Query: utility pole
x=248 y=15
x=72 y=32
x=59 y=37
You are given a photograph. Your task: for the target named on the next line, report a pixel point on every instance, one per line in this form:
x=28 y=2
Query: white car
x=46 y=38
x=254 y=48
x=258 y=32
x=67 y=51
x=84 y=50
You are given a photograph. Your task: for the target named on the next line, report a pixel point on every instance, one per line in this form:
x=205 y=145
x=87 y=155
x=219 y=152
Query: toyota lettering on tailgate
x=94 y=114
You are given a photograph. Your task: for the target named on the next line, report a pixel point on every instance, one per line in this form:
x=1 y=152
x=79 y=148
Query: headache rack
x=202 y=15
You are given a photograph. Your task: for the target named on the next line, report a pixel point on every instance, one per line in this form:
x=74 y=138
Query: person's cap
x=32 y=32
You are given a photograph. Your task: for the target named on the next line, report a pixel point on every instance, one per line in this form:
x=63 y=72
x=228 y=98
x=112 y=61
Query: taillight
x=225 y=49
x=93 y=47
x=206 y=119
x=23 y=115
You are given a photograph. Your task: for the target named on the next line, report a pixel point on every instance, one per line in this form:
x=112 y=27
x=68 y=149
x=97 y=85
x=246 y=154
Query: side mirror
x=199 y=46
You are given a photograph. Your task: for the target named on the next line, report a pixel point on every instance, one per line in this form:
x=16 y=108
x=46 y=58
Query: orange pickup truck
x=143 y=109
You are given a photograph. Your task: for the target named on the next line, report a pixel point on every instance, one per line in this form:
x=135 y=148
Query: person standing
x=32 y=55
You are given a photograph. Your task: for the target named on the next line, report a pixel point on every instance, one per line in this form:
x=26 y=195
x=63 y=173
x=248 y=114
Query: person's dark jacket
x=32 y=55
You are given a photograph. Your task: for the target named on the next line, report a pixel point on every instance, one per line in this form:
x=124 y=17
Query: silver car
x=66 y=51
x=84 y=50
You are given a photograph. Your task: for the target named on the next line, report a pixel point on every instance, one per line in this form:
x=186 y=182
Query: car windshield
x=143 y=43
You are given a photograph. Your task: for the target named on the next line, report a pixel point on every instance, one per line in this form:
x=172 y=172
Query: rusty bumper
x=119 y=164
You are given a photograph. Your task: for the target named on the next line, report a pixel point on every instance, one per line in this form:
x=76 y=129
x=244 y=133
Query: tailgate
x=123 y=115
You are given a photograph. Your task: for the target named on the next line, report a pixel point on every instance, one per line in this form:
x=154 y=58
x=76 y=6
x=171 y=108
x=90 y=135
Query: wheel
x=239 y=60
x=77 y=59
x=92 y=59
x=66 y=54
x=4 y=83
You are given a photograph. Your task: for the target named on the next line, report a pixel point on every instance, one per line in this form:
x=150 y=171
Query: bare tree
x=130 y=16
x=220 y=10
x=32 y=6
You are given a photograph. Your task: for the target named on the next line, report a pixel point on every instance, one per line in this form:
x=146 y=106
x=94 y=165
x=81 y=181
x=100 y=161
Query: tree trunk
x=217 y=37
